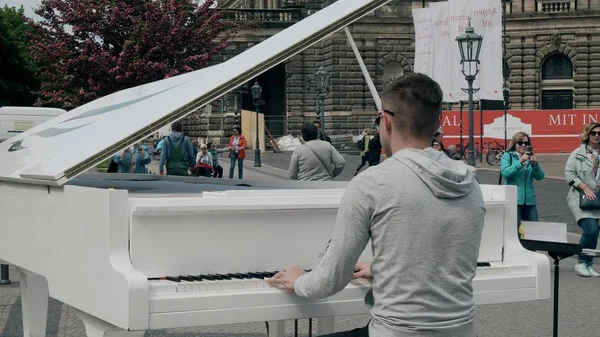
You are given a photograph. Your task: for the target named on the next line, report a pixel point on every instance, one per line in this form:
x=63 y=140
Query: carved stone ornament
x=556 y=39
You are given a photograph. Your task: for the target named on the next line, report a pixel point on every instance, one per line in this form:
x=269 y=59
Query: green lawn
x=103 y=166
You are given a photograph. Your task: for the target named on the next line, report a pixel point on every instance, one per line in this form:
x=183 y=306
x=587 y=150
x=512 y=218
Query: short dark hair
x=416 y=100
x=239 y=130
x=177 y=126
x=309 y=131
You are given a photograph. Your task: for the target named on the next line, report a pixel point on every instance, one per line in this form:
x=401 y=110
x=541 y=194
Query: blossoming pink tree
x=91 y=48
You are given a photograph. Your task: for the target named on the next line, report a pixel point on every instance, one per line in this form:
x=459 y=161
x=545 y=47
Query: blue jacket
x=123 y=163
x=515 y=173
x=141 y=159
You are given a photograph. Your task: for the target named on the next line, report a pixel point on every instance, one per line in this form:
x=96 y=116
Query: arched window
x=557 y=66
x=391 y=71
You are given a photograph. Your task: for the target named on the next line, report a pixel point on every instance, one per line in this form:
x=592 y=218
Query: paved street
x=578 y=295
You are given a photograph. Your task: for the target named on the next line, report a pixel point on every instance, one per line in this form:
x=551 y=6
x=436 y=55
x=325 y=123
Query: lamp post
x=238 y=103
x=322 y=79
x=469 y=45
x=257 y=97
x=505 y=73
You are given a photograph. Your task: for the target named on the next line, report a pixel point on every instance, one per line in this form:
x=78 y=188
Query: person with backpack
x=177 y=153
x=363 y=146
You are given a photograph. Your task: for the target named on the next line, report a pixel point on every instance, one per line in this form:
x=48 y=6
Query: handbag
x=587 y=204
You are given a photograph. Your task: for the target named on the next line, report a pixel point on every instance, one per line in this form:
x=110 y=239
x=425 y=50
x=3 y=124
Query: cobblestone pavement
x=578 y=296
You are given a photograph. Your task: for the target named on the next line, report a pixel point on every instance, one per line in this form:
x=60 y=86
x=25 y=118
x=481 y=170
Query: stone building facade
x=552 y=57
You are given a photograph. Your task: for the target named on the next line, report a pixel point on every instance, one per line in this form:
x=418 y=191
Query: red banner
x=551 y=131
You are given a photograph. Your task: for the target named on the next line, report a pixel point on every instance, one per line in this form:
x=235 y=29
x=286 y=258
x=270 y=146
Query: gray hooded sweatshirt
x=424 y=213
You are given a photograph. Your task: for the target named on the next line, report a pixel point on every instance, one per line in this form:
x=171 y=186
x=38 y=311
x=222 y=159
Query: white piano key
x=162 y=287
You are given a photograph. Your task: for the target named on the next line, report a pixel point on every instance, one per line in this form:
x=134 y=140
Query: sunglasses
x=523 y=143
x=377 y=119
x=594 y=133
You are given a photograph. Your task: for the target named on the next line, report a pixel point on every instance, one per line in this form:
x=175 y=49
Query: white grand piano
x=133 y=253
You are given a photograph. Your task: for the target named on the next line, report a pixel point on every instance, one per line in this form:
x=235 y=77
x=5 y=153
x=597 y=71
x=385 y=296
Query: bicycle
x=464 y=151
x=494 y=155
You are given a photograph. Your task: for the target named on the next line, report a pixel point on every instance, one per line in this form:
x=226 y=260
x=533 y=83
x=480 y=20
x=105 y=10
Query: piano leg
x=34 y=303
x=95 y=327
x=325 y=325
x=276 y=328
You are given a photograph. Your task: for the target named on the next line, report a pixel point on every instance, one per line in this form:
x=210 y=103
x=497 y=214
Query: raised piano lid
x=55 y=152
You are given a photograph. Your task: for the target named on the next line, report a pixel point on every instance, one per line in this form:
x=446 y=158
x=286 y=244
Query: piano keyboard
x=217 y=282
x=255 y=281
x=210 y=282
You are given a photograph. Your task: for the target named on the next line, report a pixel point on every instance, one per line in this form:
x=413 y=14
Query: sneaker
x=582 y=270
x=592 y=272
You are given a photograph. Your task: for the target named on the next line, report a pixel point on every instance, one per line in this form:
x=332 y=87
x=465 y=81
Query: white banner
x=449 y=20
x=423 y=41
x=458 y=15
x=442 y=43
x=486 y=19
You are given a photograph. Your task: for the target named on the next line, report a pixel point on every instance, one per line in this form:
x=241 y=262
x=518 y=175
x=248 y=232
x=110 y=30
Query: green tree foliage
x=113 y=45
x=18 y=79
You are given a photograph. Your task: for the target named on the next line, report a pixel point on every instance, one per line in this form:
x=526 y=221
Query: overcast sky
x=27 y=5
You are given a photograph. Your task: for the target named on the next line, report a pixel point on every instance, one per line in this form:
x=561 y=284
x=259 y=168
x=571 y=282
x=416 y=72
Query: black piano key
x=218 y=277
x=224 y=277
x=187 y=278
x=236 y=276
x=173 y=278
x=246 y=276
x=153 y=278
x=195 y=277
x=257 y=275
x=207 y=277
x=483 y=264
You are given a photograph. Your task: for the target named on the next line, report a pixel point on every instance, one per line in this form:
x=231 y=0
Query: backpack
x=360 y=144
x=176 y=158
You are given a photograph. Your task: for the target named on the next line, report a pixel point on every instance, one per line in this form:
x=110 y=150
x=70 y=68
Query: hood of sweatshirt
x=446 y=177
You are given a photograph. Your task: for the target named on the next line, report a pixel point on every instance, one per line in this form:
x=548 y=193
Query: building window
x=391 y=71
x=557 y=82
x=557 y=66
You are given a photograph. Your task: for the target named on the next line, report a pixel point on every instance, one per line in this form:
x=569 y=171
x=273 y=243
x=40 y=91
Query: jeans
x=526 y=213
x=374 y=162
x=363 y=161
x=589 y=239
x=235 y=158
x=218 y=171
x=358 y=332
x=202 y=171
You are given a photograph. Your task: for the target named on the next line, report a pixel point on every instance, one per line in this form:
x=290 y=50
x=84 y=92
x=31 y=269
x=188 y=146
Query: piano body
x=103 y=243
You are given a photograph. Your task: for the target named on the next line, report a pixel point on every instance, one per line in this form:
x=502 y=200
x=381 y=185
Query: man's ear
x=387 y=121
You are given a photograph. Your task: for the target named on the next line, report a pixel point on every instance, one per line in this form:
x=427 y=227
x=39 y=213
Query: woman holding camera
x=519 y=167
x=582 y=174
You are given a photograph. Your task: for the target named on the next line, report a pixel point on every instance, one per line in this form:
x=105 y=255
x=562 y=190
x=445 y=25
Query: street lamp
x=257 y=97
x=238 y=103
x=469 y=45
x=322 y=79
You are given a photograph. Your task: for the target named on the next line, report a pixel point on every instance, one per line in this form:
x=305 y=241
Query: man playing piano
x=423 y=213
